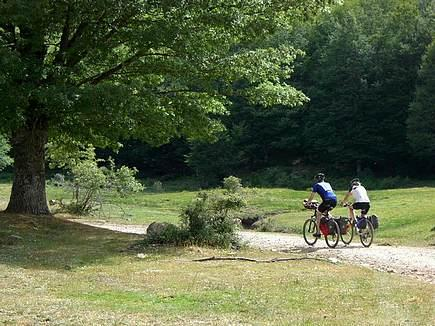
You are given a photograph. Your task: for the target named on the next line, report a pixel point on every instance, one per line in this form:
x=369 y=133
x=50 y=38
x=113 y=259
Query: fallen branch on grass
x=273 y=260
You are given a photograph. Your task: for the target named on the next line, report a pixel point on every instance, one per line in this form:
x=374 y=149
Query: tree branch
x=73 y=60
x=108 y=73
x=176 y=91
x=112 y=71
x=273 y=260
x=64 y=38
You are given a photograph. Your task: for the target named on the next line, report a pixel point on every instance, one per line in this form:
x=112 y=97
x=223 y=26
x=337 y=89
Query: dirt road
x=410 y=261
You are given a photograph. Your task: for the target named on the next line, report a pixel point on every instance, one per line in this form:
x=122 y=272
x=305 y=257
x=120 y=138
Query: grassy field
x=407 y=216
x=55 y=272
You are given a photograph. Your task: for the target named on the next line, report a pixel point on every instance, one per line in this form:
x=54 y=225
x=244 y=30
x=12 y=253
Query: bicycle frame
x=310 y=226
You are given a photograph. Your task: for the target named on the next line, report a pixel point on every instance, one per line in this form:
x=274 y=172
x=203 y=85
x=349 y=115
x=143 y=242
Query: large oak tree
x=103 y=70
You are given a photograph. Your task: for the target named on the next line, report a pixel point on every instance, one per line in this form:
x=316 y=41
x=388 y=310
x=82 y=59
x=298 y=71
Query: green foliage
x=107 y=70
x=5 y=159
x=209 y=219
x=103 y=70
x=256 y=138
x=359 y=71
x=89 y=180
x=158 y=186
x=279 y=176
x=421 y=121
x=171 y=234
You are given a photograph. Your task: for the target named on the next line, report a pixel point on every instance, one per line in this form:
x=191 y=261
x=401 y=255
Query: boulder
x=156 y=229
x=249 y=222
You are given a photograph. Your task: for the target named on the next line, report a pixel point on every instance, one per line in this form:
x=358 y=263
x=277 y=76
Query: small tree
x=5 y=159
x=89 y=180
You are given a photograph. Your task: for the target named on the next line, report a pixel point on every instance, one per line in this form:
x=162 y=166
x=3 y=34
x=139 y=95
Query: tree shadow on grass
x=52 y=243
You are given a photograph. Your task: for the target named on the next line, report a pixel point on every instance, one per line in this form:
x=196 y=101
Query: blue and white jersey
x=325 y=191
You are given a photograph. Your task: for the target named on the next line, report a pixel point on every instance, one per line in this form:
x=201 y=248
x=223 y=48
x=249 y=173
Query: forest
x=367 y=70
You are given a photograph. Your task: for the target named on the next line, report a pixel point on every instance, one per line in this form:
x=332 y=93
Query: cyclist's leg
x=319 y=212
x=318 y=217
x=365 y=209
x=351 y=213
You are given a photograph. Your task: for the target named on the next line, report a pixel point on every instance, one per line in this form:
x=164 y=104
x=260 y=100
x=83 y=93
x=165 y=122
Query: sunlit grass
x=407 y=216
x=57 y=272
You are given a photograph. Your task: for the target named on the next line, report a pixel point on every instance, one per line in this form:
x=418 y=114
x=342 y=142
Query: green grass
x=56 y=272
x=407 y=216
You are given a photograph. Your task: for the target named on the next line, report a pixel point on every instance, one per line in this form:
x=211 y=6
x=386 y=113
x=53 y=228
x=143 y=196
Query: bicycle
x=363 y=227
x=328 y=228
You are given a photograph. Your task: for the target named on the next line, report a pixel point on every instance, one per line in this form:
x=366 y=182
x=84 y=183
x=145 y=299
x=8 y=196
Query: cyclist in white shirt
x=361 y=199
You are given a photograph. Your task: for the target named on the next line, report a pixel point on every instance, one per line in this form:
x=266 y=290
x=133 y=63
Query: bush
x=210 y=218
x=158 y=186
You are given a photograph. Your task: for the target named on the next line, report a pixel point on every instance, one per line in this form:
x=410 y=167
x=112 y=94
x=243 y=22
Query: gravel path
x=410 y=261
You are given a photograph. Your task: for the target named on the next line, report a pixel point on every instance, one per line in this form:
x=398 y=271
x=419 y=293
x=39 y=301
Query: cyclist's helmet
x=355 y=182
x=319 y=177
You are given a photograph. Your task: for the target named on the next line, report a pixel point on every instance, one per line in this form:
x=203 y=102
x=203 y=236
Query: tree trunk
x=28 y=194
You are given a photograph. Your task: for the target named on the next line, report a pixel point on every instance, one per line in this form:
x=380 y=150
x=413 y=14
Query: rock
x=156 y=229
x=333 y=260
x=257 y=224
x=249 y=221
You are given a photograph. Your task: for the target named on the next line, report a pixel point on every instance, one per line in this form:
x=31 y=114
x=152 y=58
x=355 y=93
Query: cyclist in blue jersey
x=329 y=199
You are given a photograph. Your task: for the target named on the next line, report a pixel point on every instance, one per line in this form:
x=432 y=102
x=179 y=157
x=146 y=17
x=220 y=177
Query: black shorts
x=364 y=207
x=327 y=205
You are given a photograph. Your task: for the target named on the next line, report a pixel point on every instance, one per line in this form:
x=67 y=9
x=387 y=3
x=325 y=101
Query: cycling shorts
x=364 y=207
x=327 y=205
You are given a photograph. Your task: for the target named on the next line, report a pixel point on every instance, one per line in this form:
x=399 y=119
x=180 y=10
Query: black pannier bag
x=331 y=227
x=342 y=224
x=374 y=219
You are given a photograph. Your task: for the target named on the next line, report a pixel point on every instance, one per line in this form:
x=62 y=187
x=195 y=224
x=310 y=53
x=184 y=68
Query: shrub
x=158 y=186
x=210 y=218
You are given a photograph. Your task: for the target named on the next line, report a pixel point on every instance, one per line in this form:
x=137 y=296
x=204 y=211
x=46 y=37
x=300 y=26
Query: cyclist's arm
x=346 y=197
x=311 y=197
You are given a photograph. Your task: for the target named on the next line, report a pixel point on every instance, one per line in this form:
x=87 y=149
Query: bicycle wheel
x=366 y=235
x=334 y=234
x=310 y=227
x=348 y=236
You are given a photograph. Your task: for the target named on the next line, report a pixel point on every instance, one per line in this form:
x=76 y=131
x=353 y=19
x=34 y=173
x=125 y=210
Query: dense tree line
x=368 y=70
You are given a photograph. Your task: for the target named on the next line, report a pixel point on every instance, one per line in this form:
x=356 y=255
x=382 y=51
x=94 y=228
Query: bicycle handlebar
x=312 y=205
